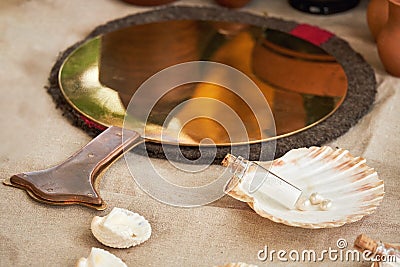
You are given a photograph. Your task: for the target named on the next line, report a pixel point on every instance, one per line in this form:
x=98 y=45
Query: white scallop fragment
x=100 y=258
x=121 y=228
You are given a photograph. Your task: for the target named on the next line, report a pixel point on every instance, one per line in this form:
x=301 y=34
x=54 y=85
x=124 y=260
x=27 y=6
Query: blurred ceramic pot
x=377 y=15
x=388 y=41
x=232 y=3
x=149 y=2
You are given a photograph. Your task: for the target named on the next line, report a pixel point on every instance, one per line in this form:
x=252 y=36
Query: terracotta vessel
x=149 y=2
x=377 y=15
x=301 y=67
x=232 y=3
x=388 y=41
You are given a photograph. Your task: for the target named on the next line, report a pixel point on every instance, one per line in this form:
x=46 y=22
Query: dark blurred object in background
x=232 y=3
x=323 y=7
x=149 y=2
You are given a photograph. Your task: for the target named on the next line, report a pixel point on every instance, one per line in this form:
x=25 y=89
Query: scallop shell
x=121 y=228
x=100 y=258
x=354 y=188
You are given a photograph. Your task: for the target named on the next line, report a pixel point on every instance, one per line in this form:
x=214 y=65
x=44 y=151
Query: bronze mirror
x=315 y=85
x=302 y=83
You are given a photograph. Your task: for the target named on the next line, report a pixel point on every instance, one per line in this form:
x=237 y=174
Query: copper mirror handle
x=74 y=181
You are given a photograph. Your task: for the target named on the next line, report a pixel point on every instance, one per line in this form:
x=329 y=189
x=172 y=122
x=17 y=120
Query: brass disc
x=302 y=83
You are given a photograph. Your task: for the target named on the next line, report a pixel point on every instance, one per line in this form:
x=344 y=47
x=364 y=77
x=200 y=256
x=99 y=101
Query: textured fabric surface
x=35 y=135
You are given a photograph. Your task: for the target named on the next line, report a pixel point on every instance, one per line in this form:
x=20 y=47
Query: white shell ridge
x=100 y=258
x=121 y=228
x=350 y=188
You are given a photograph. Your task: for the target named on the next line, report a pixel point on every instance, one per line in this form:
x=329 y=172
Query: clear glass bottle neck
x=236 y=165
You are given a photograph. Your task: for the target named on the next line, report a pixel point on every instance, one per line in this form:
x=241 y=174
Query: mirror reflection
x=301 y=82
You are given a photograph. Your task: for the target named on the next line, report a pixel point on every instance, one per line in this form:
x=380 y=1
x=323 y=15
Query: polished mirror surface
x=301 y=82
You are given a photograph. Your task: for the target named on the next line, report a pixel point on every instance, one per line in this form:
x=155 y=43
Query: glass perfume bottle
x=254 y=178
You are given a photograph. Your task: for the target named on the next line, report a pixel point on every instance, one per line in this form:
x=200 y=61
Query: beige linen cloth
x=34 y=135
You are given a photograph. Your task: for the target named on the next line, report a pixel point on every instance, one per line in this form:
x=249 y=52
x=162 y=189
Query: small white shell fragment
x=100 y=258
x=316 y=198
x=121 y=228
x=326 y=204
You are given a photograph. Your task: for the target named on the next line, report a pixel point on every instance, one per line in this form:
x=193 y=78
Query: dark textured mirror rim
x=358 y=101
